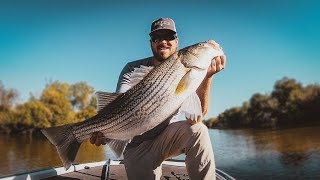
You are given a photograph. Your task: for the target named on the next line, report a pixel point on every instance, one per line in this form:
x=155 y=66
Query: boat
x=107 y=170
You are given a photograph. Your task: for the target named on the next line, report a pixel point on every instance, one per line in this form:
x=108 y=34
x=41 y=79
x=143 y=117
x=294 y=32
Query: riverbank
x=19 y=130
x=287 y=126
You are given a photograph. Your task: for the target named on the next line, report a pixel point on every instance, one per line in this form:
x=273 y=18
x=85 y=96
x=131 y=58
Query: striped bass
x=152 y=100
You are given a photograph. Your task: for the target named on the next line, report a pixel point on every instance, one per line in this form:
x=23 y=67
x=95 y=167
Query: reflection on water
x=245 y=154
x=269 y=154
x=24 y=153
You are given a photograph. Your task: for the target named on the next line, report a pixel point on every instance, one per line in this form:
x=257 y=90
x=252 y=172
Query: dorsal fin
x=104 y=98
x=138 y=74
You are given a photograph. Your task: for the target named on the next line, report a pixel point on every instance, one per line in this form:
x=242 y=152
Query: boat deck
x=110 y=170
x=118 y=172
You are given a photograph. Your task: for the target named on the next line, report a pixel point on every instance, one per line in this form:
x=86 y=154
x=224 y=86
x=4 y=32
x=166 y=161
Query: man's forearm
x=204 y=94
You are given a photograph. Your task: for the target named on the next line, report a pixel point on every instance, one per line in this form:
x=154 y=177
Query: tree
x=289 y=95
x=69 y=103
x=310 y=106
x=287 y=91
x=7 y=97
x=55 y=98
x=289 y=104
x=261 y=111
x=34 y=114
x=80 y=95
x=233 y=117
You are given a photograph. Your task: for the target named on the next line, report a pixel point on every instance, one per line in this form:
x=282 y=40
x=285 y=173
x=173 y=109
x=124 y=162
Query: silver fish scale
x=137 y=110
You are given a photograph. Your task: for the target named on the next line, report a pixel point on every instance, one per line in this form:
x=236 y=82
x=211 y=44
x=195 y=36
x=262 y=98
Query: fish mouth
x=196 y=68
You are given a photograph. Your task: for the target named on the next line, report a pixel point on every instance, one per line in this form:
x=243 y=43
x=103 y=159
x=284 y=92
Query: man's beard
x=158 y=56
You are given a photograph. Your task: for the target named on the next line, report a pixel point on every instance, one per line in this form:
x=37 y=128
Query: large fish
x=152 y=100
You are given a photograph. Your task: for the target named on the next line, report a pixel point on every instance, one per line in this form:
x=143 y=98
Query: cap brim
x=161 y=29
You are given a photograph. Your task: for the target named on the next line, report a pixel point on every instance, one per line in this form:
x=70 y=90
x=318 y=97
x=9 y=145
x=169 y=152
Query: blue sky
x=91 y=41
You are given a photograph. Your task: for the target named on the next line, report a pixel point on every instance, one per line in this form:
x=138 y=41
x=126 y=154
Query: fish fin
x=64 y=141
x=104 y=98
x=138 y=74
x=117 y=146
x=192 y=107
x=184 y=82
x=181 y=86
x=175 y=117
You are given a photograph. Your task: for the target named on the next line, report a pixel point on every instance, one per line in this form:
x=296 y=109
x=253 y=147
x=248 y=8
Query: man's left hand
x=218 y=63
x=193 y=120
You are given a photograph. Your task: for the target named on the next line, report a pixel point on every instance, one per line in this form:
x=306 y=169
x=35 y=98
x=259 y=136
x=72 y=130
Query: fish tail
x=65 y=142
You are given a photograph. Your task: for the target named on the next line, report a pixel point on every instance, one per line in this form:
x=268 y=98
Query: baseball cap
x=163 y=23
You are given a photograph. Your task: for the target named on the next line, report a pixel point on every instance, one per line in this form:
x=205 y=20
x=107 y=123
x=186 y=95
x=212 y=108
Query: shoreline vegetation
x=59 y=103
x=290 y=104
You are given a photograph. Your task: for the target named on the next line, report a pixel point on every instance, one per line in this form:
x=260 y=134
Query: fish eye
x=201 y=44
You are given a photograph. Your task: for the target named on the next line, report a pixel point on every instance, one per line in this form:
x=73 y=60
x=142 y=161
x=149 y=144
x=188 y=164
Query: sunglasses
x=159 y=38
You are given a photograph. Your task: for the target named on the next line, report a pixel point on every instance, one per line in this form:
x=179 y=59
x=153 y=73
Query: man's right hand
x=98 y=138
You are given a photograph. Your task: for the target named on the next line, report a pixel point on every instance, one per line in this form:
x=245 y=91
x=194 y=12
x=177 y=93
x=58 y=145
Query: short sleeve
x=123 y=84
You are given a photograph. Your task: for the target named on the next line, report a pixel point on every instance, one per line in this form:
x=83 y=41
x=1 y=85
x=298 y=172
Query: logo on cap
x=161 y=23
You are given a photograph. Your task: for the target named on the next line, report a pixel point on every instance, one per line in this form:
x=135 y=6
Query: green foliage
x=261 y=111
x=59 y=103
x=34 y=113
x=6 y=117
x=211 y=122
x=231 y=118
x=289 y=104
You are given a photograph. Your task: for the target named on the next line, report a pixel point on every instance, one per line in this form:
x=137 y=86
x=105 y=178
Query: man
x=145 y=153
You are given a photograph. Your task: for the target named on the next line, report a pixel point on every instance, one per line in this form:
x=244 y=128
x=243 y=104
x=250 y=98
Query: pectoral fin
x=192 y=107
x=117 y=146
x=184 y=82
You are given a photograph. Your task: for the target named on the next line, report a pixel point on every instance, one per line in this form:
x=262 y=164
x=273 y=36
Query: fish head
x=198 y=56
x=196 y=60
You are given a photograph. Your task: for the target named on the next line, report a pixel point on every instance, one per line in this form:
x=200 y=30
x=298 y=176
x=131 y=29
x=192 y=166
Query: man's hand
x=98 y=138
x=218 y=63
x=193 y=120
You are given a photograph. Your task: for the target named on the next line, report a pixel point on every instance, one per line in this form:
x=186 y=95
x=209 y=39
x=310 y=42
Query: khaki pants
x=144 y=161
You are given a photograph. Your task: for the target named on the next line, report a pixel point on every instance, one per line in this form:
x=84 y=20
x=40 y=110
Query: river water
x=245 y=154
